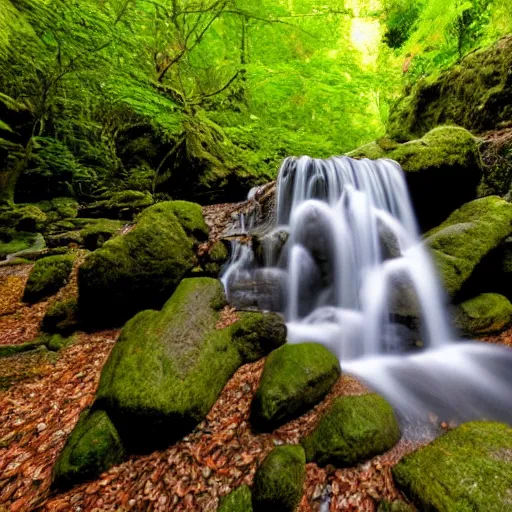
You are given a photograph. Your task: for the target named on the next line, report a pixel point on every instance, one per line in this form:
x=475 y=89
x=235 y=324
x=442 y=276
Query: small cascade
x=345 y=264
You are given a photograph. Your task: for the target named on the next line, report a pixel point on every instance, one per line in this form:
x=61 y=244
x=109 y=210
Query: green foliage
x=354 y=428
x=278 y=481
x=47 y=277
x=295 y=378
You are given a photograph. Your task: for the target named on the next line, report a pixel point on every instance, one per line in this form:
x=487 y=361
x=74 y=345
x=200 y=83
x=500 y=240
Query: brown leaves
x=228 y=316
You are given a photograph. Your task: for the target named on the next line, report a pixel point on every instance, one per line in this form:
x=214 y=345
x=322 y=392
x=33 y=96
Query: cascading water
x=346 y=266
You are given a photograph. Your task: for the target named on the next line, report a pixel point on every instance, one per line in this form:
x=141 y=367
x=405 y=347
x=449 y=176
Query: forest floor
x=42 y=394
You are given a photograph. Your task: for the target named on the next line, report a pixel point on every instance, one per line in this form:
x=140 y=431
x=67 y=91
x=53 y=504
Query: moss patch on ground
x=355 y=428
x=487 y=313
x=15 y=241
x=295 y=378
x=468 y=469
x=461 y=242
x=48 y=276
x=279 y=480
x=92 y=448
x=135 y=271
x=168 y=368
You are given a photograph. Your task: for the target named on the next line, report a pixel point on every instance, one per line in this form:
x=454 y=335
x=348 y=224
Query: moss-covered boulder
x=23 y=218
x=475 y=94
x=485 y=314
x=13 y=242
x=93 y=447
x=467 y=469
x=191 y=218
x=168 y=367
x=279 y=480
x=442 y=169
x=135 y=271
x=96 y=234
x=461 y=242
x=257 y=334
x=61 y=317
x=59 y=208
x=67 y=239
x=238 y=500
x=355 y=428
x=48 y=276
x=120 y=205
x=295 y=378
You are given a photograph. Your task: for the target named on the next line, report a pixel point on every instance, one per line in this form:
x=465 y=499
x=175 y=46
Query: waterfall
x=346 y=266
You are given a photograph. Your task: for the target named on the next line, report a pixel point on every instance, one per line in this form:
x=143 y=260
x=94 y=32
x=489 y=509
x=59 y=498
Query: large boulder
x=475 y=94
x=168 y=367
x=442 y=169
x=278 y=481
x=61 y=317
x=485 y=314
x=295 y=378
x=138 y=270
x=461 y=242
x=92 y=448
x=355 y=428
x=47 y=277
x=467 y=469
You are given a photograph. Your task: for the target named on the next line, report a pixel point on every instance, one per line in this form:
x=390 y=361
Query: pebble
x=41 y=427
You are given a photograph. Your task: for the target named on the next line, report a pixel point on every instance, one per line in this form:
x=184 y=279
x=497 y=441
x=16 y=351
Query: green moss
x=169 y=367
x=467 y=236
x=485 y=314
x=24 y=218
x=69 y=238
x=47 y=277
x=59 y=208
x=190 y=216
x=218 y=253
x=136 y=271
x=445 y=164
x=96 y=234
x=395 y=506
x=355 y=428
x=120 y=205
x=130 y=197
x=257 y=334
x=468 y=469
x=474 y=94
x=295 y=378
x=61 y=317
x=92 y=448
x=14 y=241
x=11 y=350
x=238 y=500
x=279 y=480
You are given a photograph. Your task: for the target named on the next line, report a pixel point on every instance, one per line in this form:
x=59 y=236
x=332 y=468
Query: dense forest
x=204 y=99
x=255 y=255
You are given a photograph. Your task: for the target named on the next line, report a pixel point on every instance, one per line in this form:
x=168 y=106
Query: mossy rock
x=47 y=277
x=12 y=242
x=59 y=208
x=468 y=469
x=191 y=218
x=461 y=242
x=487 y=313
x=93 y=447
x=395 y=506
x=96 y=234
x=475 y=94
x=135 y=271
x=258 y=334
x=168 y=367
x=12 y=350
x=218 y=253
x=354 y=429
x=279 y=480
x=443 y=168
x=124 y=205
x=295 y=378
x=24 y=218
x=61 y=317
x=238 y=500
x=66 y=239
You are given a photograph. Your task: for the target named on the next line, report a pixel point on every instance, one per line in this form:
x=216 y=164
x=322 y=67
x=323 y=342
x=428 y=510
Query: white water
x=355 y=276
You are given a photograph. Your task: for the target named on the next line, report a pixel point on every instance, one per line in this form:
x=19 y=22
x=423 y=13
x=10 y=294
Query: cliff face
x=475 y=94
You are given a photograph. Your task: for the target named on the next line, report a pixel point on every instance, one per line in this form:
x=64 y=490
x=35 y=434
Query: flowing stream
x=345 y=264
